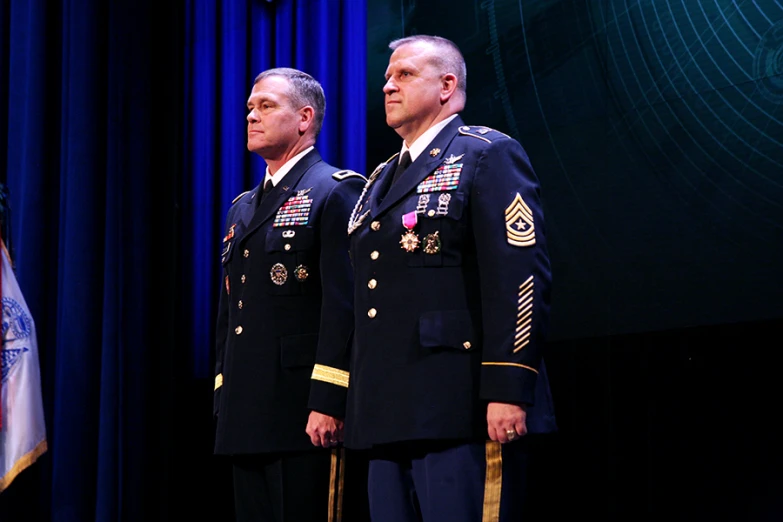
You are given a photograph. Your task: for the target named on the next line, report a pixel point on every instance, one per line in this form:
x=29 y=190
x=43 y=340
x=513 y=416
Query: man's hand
x=324 y=431
x=506 y=422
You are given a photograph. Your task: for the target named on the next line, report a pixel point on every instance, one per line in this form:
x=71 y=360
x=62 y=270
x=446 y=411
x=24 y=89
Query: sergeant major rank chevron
x=520 y=230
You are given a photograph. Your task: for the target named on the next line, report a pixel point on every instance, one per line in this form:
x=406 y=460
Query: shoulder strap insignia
x=479 y=132
x=345 y=174
x=239 y=196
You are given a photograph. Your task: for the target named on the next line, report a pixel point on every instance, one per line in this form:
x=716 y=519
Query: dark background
x=656 y=131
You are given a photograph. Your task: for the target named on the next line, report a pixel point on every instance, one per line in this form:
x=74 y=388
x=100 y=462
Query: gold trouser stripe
x=340 y=484
x=493 y=482
x=332 y=480
x=336 y=480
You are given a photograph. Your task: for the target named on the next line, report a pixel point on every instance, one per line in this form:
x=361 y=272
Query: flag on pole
x=22 y=425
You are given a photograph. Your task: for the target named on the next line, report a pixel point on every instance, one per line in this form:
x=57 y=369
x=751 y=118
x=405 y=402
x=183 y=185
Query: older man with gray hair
x=452 y=303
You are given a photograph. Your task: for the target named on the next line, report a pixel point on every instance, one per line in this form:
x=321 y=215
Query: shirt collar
x=421 y=143
x=286 y=168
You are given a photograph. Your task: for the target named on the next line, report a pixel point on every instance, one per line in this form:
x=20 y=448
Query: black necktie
x=267 y=188
x=405 y=160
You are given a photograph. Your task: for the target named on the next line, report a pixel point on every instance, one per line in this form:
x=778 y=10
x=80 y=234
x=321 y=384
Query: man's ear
x=448 y=86
x=307 y=118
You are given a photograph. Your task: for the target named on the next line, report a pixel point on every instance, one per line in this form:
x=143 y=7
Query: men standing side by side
x=285 y=318
x=451 y=303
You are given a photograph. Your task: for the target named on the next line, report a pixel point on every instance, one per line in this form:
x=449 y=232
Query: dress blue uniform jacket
x=285 y=317
x=461 y=319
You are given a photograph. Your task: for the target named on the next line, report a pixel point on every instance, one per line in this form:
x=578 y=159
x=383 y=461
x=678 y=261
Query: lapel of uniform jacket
x=282 y=191
x=245 y=213
x=419 y=169
x=381 y=184
x=240 y=216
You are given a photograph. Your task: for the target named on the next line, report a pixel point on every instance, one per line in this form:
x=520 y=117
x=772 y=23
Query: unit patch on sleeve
x=520 y=230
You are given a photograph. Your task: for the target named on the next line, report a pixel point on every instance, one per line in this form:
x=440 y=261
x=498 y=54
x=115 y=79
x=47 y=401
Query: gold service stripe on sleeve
x=524 y=314
x=330 y=375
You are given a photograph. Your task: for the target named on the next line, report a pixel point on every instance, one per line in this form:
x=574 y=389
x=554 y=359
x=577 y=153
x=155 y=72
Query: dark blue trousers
x=437 y=481
x=282 y=487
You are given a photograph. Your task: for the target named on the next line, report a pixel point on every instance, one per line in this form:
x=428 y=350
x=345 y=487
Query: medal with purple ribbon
x=410 y=240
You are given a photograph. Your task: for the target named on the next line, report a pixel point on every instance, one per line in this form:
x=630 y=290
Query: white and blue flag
x=22 y=425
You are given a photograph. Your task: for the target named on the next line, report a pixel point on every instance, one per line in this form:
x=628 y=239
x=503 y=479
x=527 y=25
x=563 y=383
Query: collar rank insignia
x=434 y=152
x=520 y=229
x=295 y=211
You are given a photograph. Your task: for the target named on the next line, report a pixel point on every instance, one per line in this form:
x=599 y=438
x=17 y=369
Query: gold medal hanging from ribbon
x=410 y=240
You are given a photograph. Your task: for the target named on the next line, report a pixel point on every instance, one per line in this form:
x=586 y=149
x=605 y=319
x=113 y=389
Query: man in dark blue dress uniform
x=452 y=292
x=285 y=316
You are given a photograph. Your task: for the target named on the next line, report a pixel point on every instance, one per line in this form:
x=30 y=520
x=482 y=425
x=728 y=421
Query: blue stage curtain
x=228 y=44
x=125 y=131
x=90 y=142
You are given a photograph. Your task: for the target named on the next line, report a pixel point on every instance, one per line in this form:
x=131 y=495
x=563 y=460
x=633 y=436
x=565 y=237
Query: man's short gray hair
x=447 y=58
x=303 y=90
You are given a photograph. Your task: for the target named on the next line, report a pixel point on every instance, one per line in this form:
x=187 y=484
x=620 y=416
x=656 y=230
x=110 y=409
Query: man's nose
x=390 y=86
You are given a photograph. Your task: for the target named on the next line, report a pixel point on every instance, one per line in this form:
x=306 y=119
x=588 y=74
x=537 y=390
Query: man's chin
x=255 y=147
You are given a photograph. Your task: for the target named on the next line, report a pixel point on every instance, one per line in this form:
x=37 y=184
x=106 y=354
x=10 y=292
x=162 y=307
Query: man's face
x=273 y=126
x=413 y=90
